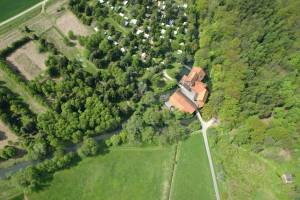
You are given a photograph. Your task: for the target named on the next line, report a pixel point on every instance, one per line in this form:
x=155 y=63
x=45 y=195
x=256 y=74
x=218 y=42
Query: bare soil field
x=6 y=135
x=69 y=22
x=28 y=60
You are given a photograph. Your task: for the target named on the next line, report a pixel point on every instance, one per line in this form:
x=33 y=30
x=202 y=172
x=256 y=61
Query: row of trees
x=15 y=113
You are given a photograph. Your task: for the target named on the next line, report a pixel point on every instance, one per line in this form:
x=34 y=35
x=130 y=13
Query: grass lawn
x=192 y=179
x=123 y=173
x=10 y=8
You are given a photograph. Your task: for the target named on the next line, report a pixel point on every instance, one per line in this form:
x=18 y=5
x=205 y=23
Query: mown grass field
x=123 y=173
x=10 y=8
x=192 y=178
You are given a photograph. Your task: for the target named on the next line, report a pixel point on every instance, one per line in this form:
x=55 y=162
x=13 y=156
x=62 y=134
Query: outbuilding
x=287 y=178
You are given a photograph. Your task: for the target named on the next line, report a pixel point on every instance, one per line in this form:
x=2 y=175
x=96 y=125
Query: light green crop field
x=192 y=179
x=10 y=8
x=123 y=173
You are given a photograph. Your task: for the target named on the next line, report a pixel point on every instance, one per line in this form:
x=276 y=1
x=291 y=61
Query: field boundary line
x=167 y=191
x=23 y=13
x=177 y=154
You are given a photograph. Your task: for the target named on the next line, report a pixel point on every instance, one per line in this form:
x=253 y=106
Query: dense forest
x=251 y=50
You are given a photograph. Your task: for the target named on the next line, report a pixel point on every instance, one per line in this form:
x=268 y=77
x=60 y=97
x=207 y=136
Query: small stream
x=6 y=172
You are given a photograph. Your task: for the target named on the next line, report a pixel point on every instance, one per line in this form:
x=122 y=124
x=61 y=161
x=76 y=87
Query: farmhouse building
x=192 y=92
x=181 y=102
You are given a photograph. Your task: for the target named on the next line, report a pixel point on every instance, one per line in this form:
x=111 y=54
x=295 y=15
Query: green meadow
x=127 y=173
x=136 y=173
x=192 y=178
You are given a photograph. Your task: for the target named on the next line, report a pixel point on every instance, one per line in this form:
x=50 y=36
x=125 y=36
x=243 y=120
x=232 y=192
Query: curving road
x=24 y=12
x=205 y=125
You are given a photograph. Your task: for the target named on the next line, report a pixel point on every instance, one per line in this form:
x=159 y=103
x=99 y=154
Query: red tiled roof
x=202 y=92
x=199 y=87
x=199 y=71
x=184 y=79
x=181 y=102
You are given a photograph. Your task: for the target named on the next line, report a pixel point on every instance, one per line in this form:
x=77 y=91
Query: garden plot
x=69 y=22
x=6 y=135
x=28 y=61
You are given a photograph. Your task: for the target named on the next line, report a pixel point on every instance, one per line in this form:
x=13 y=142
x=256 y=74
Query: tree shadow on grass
x=19 y=197
x=47 y=177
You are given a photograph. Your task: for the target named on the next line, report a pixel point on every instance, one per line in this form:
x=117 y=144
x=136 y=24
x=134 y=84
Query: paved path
x=205 y=125
x=187 y=67
x=24 y=12
x=166 y=75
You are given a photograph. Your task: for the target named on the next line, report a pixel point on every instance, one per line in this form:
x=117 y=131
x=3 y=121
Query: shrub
x=8 y=152
x=71 y=35
x=88 y=148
